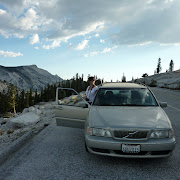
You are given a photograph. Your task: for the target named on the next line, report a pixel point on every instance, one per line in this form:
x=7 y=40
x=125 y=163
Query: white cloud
x=10 y=54
x=114 y=47
x=167 y=1
x=101 y=41
x=2 y=11
x=54 y=44
x=106 y=50
x=66 y=34
x=34 y=39
x=29 y=21
x=141 y=44
x=170 y=44
x=155 y=21
x=86 y=55
x=150 y=1
x=82 y=45
x=36 y=47
x=70 y=45
x=94 y=53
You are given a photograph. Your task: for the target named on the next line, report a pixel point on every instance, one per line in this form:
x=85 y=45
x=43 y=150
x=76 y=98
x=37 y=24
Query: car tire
x=86 y=148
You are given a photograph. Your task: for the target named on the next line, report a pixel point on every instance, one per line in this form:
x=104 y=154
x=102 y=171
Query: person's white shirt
x=90 y=94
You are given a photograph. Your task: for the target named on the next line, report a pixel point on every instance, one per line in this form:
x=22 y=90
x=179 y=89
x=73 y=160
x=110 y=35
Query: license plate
x=130 y=148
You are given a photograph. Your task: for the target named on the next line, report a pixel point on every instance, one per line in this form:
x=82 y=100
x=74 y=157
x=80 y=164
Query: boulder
x=37 y=112
x=31 y=109
x=48 y=106
x=4 y=121
x=25 y=110
x=23 y=120
x=164 y=80
x=36 y=106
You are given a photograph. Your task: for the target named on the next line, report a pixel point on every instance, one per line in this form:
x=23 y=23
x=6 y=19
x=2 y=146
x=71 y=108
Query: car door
x=71 y=114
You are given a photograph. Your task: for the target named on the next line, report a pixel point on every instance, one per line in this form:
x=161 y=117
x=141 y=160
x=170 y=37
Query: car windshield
x=124 y=97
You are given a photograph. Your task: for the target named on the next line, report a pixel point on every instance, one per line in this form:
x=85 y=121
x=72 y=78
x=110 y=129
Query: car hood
x=128 y=117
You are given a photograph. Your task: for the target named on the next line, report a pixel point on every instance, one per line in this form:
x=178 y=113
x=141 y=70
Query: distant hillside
x=169 y=80
x=26 y=77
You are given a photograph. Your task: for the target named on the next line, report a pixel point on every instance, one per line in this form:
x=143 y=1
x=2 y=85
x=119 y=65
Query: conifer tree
x=171 y=66
x=46 y=94
x=26 y=102
x=158 y=69
x=18 y=108
x=22 y=100
x=12 y=99
x=36 y=97
x=123 y=78
x=30 y=98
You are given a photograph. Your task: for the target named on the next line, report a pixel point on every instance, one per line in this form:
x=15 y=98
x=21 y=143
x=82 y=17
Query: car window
x=124 y=97
x=69 y=97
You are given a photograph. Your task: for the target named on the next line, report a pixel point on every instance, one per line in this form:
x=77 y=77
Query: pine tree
x=41 y=99
x=30 y=98
x=4 y=104
x=123 y=78
x=18 y=108
x=36 y=97
x=46 y=94
x=158 y=70
x=102 y=80
x=26 y=102
x=22 y=100
x=12 y=99
x=171 y=66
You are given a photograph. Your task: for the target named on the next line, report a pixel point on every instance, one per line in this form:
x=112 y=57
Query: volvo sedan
x=124 y=120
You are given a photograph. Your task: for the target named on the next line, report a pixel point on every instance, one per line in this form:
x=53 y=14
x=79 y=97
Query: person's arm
x=87 y=91
x=96 y=89
x=86 y=98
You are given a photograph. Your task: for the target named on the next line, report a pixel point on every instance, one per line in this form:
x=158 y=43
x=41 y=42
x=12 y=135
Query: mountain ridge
x=29 y=76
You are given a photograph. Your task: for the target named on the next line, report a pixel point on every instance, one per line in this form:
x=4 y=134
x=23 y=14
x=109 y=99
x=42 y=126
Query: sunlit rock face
x=26 y=77
x=169 y=80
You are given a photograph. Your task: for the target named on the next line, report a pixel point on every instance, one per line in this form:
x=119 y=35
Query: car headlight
x=98 y=132
x=162 y=134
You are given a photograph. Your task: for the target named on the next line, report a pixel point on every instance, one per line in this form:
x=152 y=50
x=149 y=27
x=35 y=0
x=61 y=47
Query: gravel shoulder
x=10 y=132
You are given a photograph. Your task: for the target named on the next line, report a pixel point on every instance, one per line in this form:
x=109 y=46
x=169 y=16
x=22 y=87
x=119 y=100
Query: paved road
x=58 y=153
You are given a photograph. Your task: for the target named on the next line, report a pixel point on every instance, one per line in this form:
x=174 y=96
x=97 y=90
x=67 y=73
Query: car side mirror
x=163 y=104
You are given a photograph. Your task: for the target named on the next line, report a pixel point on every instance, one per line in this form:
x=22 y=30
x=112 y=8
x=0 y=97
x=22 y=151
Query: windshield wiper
x=135 y=105
x=123 y=105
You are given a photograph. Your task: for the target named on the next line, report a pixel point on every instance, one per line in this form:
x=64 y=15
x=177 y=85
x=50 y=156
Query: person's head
x=91 y=79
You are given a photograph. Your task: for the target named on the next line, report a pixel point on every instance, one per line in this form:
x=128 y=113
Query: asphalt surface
x=58 y=153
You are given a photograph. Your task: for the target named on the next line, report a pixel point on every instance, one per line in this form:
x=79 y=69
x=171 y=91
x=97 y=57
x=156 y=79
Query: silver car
x=124 y=120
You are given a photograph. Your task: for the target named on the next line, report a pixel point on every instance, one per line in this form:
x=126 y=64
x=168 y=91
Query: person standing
x=91 y=90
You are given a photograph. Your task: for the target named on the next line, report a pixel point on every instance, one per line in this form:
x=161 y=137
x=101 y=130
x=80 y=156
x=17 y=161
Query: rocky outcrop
x=169 y=80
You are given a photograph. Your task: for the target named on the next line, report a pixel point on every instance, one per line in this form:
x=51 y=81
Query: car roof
x=121 y=85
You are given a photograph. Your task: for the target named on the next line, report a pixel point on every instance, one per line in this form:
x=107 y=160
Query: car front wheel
x=86 y=148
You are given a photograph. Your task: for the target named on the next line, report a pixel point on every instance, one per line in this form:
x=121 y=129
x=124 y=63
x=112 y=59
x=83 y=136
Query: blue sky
x=103 y=38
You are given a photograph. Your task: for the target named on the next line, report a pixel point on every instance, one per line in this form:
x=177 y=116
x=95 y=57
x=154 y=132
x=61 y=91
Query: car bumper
x=152 y=148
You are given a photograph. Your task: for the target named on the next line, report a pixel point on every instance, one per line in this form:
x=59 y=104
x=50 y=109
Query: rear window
x=124 y=97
